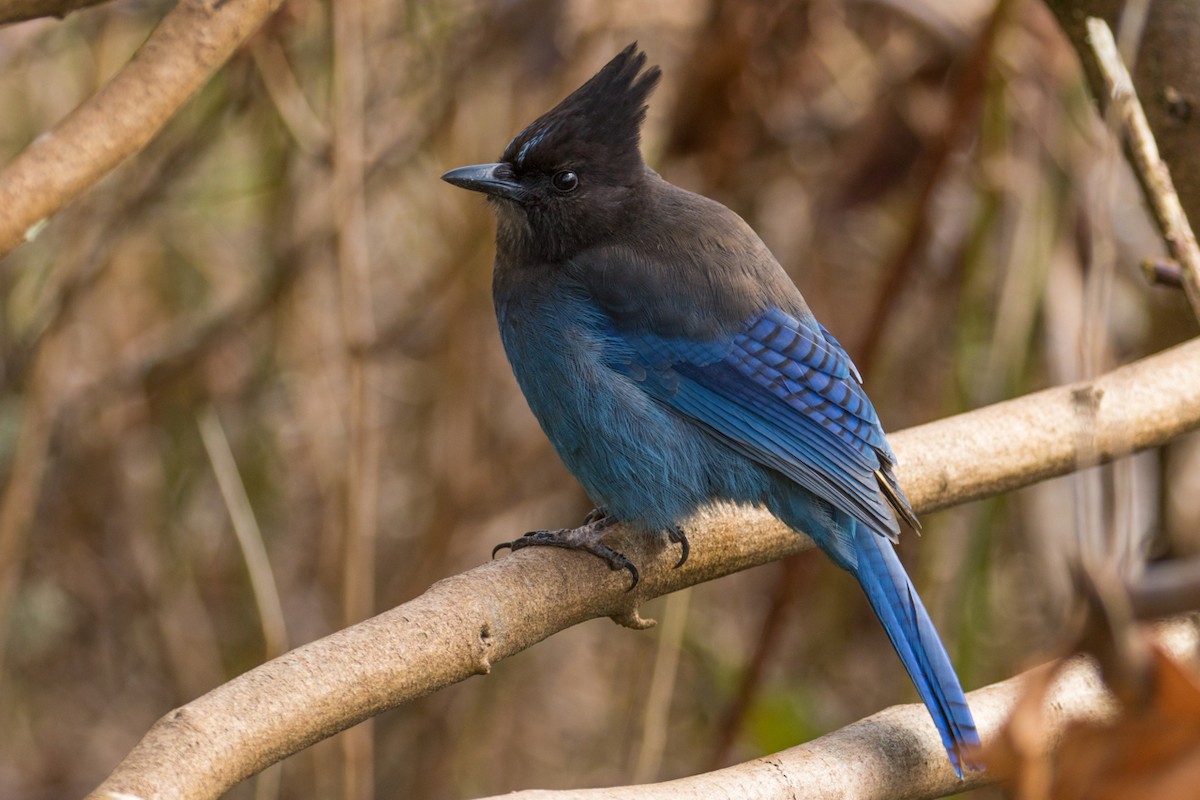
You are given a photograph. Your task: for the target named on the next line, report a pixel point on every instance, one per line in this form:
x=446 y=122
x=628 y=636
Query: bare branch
x=189 y=45
x=1165 y=77
x=892 y=755
x=1018 y=442
x=1151 y=170
x=1163 y=272
x=463 y=624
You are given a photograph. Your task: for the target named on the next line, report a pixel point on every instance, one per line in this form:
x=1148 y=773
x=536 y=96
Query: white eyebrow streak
x=533 y=140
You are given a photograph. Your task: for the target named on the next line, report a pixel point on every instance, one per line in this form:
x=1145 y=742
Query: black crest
x=601 y=120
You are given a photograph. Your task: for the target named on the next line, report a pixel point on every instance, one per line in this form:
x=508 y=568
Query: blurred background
x=242 y=406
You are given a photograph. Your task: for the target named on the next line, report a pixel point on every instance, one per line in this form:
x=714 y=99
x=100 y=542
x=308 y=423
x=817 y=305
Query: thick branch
x=188 y=46
x=463 y=624
x=1052 y=432
x=892 y=755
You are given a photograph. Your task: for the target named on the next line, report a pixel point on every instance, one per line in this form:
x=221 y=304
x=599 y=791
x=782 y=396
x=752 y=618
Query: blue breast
x=637 y=457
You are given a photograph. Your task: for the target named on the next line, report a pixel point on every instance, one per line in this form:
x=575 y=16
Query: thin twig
x=1151 y=170
x=1163 y=272
x=310 y=133
x=249 y=535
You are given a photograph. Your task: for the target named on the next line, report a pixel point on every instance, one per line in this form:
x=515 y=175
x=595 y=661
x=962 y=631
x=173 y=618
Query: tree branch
x=892 y=755
x=189 y=45
x=1151 y=170
x=1053 y=432
x=1166 y=79
x=463 y=624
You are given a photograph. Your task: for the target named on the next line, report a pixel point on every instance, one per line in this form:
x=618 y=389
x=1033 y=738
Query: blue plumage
x=672 y=363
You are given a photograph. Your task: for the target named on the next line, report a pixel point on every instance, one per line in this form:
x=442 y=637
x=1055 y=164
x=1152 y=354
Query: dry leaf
x=1146 y=753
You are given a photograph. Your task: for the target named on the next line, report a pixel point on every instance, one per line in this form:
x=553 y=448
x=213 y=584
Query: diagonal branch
x=1148 y=165
x=464 y=623
x=1159 y=128
x=189 y=45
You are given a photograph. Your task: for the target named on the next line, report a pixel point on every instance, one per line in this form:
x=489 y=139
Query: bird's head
x=572 y=175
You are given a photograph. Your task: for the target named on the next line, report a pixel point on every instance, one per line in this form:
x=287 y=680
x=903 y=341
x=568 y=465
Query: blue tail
x=895 y=602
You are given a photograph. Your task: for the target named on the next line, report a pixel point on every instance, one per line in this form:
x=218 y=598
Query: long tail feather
x=898 y=607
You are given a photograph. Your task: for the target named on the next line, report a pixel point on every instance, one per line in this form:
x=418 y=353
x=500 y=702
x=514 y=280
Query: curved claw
x=677 y=536
x=633 y=573
x=500 y=547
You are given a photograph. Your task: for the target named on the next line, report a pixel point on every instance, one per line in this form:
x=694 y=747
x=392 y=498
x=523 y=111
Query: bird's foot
x=585 y=538
x=676 y=535
x=599 y=518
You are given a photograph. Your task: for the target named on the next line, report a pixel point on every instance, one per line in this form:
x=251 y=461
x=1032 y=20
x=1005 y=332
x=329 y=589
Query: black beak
x=496 y=180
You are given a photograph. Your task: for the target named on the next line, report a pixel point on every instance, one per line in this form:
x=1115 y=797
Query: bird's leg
x=677 y=536
x=585 y=538
x=599 y=517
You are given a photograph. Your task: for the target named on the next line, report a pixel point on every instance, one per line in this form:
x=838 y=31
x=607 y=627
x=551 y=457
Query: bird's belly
x=635 y=457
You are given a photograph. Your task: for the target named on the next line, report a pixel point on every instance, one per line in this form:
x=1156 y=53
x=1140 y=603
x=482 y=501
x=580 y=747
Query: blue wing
x=783 y=392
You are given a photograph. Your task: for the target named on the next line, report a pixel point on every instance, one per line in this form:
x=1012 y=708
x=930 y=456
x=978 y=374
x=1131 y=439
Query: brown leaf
x=1151 y=752
x=1146 y=753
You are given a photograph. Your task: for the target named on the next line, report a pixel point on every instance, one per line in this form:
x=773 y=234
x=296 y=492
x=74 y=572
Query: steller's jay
x=672 y=363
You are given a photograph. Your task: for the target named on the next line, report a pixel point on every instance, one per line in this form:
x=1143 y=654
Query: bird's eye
x=565 y=181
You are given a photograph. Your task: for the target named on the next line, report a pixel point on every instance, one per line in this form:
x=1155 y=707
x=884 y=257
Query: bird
x=673 y=363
